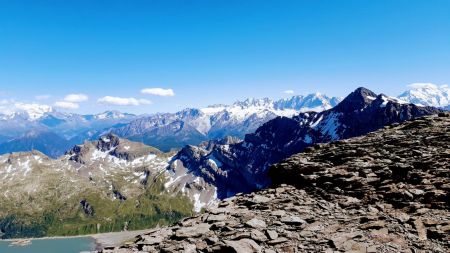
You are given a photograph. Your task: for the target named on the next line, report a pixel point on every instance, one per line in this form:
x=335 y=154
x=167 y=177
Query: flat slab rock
x=314 y=225
x=385 y=192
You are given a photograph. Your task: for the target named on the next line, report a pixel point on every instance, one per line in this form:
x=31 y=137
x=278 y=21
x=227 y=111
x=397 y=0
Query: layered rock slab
x=291 y=220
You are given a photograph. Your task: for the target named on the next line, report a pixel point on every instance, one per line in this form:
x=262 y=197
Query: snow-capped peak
x=111 y=115
x=427 y=94
x=268 y=108
x=312 y=102
x=30 y=111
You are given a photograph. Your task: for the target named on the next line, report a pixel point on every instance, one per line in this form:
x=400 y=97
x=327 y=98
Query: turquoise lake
x=63 y=245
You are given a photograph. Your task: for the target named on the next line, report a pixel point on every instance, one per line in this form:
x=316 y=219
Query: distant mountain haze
x=165 y=131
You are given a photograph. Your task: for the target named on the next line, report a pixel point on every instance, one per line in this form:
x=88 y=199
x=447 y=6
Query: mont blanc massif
x=364 y=173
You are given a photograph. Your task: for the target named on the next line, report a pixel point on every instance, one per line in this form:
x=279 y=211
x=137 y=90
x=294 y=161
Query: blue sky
x=211 y=52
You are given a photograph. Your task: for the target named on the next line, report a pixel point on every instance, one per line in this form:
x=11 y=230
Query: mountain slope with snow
x=106 y=185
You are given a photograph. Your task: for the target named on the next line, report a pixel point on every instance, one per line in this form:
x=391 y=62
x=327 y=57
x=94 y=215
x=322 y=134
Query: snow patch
x=198 y=205
x=313 y=125
x=213 y=160
x=97 y=154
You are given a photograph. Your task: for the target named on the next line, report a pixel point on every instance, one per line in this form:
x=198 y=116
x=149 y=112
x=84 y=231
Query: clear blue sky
x=217 y=51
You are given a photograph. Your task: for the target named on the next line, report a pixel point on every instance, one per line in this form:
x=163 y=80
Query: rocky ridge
x=405 y=165
x=384 y=192
x=111 y=145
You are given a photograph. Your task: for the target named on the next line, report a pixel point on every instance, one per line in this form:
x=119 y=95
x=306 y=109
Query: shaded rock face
x=384 y=192
x=243 y=166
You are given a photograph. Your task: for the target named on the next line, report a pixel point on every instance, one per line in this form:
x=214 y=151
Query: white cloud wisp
x=109 y=100
x=158 y=92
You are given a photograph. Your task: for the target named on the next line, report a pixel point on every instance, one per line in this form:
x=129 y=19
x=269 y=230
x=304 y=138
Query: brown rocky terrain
x=387 y=191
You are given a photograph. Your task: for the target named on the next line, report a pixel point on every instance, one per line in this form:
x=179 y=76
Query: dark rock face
x=107 y=142
x=384 y=192
x=118 y=195
x=88 y=209
x=227 y=140
x=247 y=162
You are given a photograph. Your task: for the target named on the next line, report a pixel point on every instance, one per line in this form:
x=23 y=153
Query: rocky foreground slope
x=385 y=192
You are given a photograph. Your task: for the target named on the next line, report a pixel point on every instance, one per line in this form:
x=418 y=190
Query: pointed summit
x=356 y=100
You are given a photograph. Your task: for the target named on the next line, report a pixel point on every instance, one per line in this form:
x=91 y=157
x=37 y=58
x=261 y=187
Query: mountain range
x=29 y=129
x=192 y=126
x=241 y=166
x=106 y=185
x=51 y=132
x=428 y=94
x=113 y=183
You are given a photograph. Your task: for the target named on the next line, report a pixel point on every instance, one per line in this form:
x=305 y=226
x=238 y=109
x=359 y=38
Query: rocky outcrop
x=384 y=192
x=405 y=165
x=88 y=209
x=112 y=145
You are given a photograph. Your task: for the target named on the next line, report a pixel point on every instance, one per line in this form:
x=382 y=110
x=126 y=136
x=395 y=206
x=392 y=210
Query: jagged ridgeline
x=101 y=186
x=241 y=166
